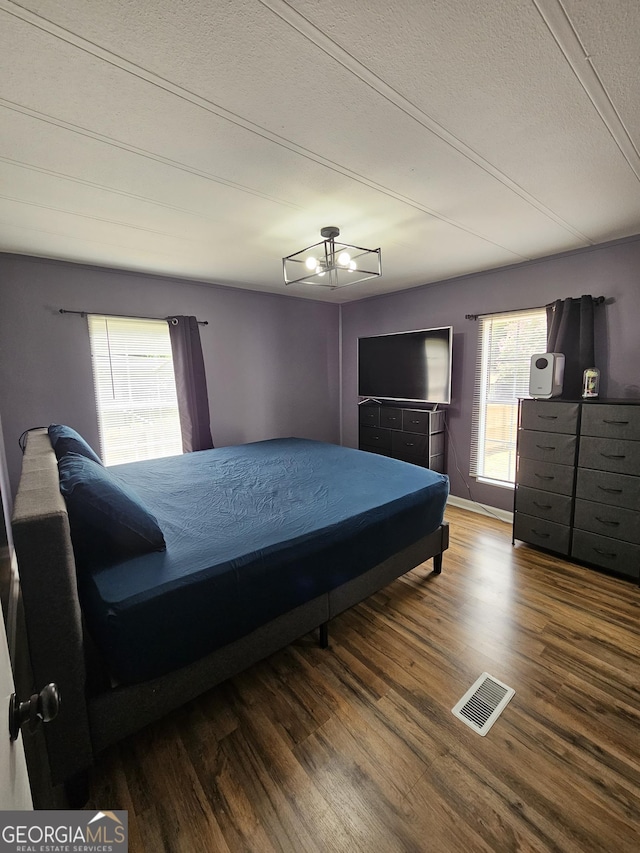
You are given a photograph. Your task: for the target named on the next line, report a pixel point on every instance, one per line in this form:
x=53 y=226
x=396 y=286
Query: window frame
x=529 y=341
x=134 y=390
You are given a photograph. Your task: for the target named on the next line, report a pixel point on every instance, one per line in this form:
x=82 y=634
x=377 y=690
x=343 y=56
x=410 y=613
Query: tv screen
x=410 y=366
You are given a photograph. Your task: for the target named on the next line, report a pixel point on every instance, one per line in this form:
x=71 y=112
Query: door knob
x=39 y=708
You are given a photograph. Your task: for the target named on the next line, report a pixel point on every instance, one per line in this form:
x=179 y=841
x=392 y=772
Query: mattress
x=252 y=531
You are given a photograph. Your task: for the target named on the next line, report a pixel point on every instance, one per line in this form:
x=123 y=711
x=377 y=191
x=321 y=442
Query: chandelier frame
x=331 y=264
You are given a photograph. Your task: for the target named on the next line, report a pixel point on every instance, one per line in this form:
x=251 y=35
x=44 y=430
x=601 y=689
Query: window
x=135 y=389
x=506 y=343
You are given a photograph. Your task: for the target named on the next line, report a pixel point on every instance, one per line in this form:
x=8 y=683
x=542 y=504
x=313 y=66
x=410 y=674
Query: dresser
x=414 y=435
x=578 y=481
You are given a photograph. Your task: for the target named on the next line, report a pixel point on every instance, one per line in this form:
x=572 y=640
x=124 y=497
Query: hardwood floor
x=354 y=748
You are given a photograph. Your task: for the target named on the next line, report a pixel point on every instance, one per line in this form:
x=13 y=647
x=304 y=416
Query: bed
x=260 y=544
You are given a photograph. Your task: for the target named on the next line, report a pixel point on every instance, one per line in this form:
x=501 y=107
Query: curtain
x=191 y=383
x=570 y=331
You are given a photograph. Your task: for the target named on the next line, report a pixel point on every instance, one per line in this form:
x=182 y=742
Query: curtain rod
x=597 y=300
x=128 y=316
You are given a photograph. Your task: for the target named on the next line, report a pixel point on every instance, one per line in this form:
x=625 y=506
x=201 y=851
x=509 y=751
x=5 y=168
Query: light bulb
x=311 y=264
x=352 y=266
x=344 y=259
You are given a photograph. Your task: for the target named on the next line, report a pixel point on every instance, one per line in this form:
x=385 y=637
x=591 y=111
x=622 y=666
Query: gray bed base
x=93 y=715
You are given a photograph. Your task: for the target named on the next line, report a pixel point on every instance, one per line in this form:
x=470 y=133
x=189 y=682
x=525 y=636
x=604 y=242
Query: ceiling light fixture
x=330 y=264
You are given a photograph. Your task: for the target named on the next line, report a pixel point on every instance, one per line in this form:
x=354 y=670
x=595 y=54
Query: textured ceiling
x=206 y=139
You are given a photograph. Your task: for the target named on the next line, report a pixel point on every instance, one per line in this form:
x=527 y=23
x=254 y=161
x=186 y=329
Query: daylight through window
x=506 y=343
x=135 y=389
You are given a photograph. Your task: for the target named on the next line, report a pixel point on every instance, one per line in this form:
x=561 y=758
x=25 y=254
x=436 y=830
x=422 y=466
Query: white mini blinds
x=505 y=345
x=135 y=389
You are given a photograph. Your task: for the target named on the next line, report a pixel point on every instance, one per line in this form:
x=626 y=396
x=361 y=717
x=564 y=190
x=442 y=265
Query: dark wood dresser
x=413 y=435
x=578 y=481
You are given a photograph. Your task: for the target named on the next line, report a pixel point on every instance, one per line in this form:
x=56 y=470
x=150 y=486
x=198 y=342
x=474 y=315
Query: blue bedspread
x=252 y=531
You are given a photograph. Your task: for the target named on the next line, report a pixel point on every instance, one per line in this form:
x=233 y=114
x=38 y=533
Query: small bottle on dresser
x=591 y=383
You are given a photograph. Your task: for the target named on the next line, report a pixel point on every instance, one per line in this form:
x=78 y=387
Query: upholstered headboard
x=50 y=598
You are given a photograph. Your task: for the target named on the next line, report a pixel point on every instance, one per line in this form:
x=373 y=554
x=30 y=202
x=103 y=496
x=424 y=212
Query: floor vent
x=483 y=703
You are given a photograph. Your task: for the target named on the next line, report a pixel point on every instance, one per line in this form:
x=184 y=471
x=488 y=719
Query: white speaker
x=546 y=375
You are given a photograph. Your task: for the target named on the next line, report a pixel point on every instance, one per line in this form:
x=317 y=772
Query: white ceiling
x=206 y=139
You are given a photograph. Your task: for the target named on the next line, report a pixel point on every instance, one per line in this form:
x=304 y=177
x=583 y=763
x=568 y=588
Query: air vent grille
x=483 y=703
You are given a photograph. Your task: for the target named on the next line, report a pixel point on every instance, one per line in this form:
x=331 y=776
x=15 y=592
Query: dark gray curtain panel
x=570 y=331
x=191 y=383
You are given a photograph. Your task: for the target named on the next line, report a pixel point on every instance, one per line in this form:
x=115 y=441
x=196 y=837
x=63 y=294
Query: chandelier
x=331 y=264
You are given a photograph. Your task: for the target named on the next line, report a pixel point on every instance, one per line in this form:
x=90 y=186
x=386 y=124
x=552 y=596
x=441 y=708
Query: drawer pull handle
x=544 y=476
x=409 y=444
x=604 y=553
x=414 y=422
x=391 y=418
x=548 y=417
x=542 y=506
x=541 y=535
x=611 y=491
x=613 y=455
x=621 y=423
x=545 y=447
x=608 y=523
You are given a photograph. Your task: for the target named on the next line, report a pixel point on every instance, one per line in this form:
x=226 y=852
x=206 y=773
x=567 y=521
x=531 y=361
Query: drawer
x=610 y=454
x=612 y=521
x=544 y=505
x=379 y=450
x=404 y=444
x=547 y=476
x=391 y=418
x=434 y=463
x=607 y=488
x=611 y=421
x=547 y=446
x=369 y=415
x=416 y=421
x=539 y=531
x=548 y=416
x=375 y=437
x=608 y=553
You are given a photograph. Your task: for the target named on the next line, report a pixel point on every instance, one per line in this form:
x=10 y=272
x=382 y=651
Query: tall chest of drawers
x=578 y=481
x=545 y=473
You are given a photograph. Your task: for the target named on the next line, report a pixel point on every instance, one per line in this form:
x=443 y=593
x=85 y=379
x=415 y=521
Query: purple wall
x=272 y=362
x=610 y=270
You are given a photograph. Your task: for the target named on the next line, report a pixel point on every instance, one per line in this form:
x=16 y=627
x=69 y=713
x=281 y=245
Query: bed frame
x=93 y=713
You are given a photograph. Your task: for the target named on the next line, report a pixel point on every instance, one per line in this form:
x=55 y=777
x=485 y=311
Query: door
x=15 y=792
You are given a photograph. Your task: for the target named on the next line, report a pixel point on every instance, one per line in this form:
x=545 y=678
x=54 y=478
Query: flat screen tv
x=409 y=366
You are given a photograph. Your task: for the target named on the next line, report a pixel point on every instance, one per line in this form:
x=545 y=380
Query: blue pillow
x=108 y=520
x=65 y=440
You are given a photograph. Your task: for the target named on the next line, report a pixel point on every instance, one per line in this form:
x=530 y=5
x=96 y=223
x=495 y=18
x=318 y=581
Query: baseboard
x=472 y=506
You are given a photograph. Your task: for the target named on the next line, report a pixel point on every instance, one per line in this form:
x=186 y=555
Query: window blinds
x=506 y=343
x=135 y=389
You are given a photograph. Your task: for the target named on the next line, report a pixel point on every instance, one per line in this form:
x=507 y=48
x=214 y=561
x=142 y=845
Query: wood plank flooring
x=354 y=748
